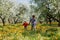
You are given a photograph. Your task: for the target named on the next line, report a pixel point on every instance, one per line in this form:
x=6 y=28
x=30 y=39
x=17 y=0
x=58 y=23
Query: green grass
x=17 y=32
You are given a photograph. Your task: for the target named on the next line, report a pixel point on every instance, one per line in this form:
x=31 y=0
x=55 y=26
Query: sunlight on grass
x=17 y=32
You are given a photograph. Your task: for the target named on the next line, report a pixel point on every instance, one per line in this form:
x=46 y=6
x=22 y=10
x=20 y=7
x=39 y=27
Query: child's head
x=33 y=16
x=24 y=21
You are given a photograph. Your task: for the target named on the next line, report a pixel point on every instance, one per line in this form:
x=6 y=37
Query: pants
x=33 y=26
x=25 y=27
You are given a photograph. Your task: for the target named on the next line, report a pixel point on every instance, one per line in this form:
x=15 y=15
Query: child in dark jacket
x=33 y=22
x=25 y=24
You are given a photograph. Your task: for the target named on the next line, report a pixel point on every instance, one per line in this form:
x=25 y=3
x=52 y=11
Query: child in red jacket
x=25 y=24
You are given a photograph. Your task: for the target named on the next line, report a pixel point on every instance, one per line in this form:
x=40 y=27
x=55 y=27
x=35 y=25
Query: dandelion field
x=17 y=32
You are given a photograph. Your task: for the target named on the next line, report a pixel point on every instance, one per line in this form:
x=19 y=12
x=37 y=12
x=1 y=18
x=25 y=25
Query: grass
x=17 y=32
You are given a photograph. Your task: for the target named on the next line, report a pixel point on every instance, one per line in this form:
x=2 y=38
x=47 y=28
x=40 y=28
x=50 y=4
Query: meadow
x=42 y=32
x=14 y=12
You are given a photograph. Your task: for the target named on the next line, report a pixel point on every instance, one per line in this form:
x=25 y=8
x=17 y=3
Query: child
x=25 y=24
x=33 y=22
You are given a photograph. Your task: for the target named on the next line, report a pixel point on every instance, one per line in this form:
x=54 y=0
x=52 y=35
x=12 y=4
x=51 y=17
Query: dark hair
x=33 y=16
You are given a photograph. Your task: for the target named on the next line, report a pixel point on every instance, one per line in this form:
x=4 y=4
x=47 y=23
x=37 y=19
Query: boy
x=33 y=22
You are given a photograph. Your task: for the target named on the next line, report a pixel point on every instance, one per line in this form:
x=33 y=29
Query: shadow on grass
x=1 y=28
x=52 y=25
x=48 y=33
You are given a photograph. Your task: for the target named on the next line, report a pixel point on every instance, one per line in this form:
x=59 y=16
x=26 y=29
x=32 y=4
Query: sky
x=25 y=2
x=22 y=1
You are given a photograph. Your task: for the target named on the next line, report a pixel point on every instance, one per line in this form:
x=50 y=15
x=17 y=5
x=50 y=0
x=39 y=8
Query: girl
x=25 y=24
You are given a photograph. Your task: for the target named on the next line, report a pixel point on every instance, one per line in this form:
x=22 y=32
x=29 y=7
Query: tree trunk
x=50 y=21
x=9 y=20
x=3 y=21
x=15 y=20
x=46 y=20
x=59 y=22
